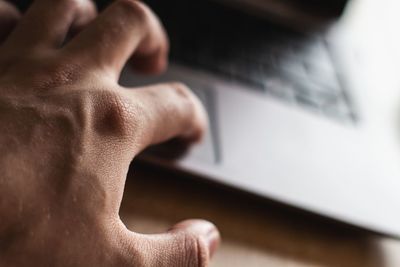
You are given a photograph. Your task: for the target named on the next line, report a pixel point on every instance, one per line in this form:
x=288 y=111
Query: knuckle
x=183 y=94
x=181 y=91
x=135 y=10
x=133 y=7
x=9 y=15
x=70 y=5
x=180 y=88
x=115 y=114
x=196 y=251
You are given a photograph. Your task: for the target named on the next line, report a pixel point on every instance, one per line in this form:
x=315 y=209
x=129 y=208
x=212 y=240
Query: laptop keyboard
x=290 y=66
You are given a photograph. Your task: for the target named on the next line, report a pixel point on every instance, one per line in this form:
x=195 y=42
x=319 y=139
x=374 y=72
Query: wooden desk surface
x=258 y=233
x=255 y=232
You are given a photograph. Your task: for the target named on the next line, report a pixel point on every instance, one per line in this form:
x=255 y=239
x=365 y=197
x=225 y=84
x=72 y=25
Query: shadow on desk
x=255 y=232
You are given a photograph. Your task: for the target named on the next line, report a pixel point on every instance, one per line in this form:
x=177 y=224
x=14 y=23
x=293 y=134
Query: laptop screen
x=334 y=6
x=299 y=13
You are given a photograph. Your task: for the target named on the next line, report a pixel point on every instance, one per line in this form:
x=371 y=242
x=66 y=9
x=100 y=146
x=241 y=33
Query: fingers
x=167 y=111
x=47 y=22
x=190 y=243
x=125 y=27
x=9 y=16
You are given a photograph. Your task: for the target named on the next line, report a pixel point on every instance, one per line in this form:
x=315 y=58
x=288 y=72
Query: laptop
x=303 y=107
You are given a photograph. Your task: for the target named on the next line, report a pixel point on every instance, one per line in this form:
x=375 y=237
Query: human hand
x=68 y=133
x=9 y=17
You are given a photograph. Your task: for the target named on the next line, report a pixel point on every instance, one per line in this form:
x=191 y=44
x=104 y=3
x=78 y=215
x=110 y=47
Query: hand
x=68 y=133
x=9 y=17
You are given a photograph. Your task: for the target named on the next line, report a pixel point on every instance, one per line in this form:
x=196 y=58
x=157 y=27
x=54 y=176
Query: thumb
x=190 y=243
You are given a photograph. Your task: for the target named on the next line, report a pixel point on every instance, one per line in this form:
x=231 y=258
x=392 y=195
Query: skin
x=68 y=133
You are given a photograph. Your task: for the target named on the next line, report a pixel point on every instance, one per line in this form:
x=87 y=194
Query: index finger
x=126 y=27
x=168 y=111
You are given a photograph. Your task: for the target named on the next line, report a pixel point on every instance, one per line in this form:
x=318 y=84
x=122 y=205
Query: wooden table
x=255 y=232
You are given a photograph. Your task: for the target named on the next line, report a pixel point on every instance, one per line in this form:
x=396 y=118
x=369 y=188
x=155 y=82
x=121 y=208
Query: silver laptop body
x=313 y=121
